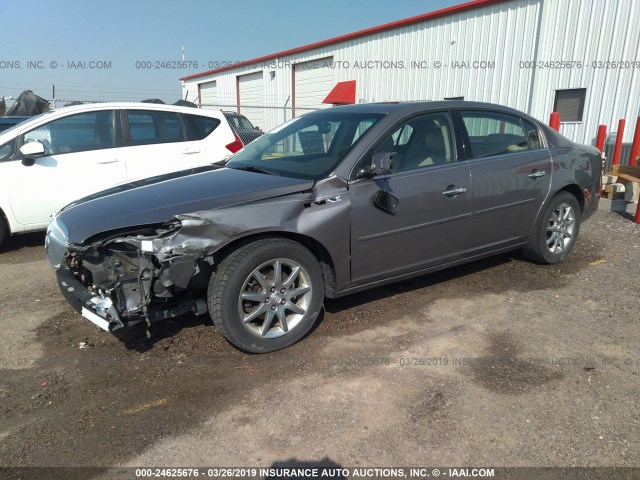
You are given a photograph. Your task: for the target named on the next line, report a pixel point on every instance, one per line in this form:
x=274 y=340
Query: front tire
x=266 y=295
x=556 y=230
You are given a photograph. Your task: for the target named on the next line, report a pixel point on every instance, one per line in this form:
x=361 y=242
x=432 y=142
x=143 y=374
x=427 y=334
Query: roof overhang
x=344 y=93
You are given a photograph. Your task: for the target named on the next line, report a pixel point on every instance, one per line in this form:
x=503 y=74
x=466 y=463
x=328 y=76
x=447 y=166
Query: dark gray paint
x=156 y=201
x=361 y=244
x=429 y=228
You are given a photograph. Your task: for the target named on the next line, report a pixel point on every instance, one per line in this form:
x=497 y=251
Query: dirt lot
x=498 y=363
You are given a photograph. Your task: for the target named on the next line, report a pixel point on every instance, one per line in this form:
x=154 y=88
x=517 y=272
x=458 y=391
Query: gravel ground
x=501 y=362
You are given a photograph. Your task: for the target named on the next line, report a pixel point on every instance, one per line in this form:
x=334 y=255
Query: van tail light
x=236 y=145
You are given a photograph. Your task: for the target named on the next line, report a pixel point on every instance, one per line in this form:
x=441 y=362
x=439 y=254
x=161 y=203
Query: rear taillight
x=236 y=145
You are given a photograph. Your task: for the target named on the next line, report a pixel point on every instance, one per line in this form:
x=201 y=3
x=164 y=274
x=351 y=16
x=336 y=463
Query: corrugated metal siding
x=475 y=35
x=314 y=81
x=252 y=97
x=454 y=41
x=590 y=30
x=209 y=92
x=505 y=34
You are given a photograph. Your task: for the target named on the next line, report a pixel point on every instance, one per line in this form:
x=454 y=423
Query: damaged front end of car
x=129 y=277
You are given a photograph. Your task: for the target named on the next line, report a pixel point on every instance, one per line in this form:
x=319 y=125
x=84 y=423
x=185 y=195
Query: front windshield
x=308 y=147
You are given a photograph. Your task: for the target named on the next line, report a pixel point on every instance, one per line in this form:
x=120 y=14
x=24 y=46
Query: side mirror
x=30 y=151
x=382 y=163
x=324 y=127
x=386 y=202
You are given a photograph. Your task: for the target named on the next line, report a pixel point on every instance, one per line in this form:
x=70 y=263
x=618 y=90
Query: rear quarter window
x=533 y=136
x=199 y=127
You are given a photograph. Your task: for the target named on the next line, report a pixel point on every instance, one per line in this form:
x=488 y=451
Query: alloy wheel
x=561 y=227
x=275 y=298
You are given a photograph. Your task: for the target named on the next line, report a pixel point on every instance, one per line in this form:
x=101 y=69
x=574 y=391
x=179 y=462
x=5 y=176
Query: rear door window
x=494 y=133
x=147 y=127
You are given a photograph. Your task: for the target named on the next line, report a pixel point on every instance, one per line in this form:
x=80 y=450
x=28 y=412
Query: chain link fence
x=267 y=117
x=262 y=117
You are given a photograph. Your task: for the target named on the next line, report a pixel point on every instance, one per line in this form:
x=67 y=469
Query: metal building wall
x=480 y=34
x=590 y=30
x=473 y=36
x=505 y=33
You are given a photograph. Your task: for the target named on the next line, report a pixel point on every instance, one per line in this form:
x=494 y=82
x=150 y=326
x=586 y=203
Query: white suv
x=60 y=156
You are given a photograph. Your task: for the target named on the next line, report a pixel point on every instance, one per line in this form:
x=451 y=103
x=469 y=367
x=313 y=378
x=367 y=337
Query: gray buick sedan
x=327 y=204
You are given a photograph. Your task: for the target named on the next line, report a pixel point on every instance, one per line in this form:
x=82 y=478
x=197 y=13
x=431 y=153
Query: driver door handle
x=452 y=191
x=537 y=173
x=106 y=162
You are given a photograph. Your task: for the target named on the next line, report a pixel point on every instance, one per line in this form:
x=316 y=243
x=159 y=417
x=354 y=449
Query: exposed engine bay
x=134 y=281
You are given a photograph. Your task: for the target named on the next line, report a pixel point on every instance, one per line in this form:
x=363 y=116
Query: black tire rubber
x=3 y=230
x=229 y=277
x=536 y=249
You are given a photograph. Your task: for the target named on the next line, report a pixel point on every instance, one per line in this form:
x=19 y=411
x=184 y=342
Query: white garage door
x=314 y=81
x=251 y=89
x=209 y=93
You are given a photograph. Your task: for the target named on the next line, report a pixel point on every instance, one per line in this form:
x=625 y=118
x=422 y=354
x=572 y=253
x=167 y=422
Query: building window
x=570 y=104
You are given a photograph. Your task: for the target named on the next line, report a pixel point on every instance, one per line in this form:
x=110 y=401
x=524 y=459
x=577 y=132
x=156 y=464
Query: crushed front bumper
x=101 y=311
x=93 y=307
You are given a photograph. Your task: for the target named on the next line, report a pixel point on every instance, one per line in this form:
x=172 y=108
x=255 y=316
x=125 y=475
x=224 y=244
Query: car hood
x=158 y=199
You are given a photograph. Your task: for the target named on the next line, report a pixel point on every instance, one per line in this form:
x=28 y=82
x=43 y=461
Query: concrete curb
x=617 y=206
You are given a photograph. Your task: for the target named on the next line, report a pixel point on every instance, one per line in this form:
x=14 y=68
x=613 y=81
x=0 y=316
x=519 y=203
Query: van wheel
x=556 y=230
x=266 y=295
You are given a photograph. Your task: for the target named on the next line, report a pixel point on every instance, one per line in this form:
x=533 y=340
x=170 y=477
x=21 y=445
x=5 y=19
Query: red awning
x=344 y=93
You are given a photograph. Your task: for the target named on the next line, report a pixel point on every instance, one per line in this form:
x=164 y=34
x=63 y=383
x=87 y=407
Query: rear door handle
x=453 y=191
x=188 y=151
x=107 y=162
x=537 y=173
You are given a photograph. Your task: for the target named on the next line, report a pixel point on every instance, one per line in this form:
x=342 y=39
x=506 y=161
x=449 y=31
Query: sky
x=101 y=50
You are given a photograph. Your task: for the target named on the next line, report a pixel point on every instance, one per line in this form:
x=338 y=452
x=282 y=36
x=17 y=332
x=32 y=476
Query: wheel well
x=574 y=190
x=3 y=219
x=316 y=248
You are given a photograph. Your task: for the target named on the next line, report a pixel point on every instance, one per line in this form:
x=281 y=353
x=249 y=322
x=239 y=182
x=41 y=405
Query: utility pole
x=185 y=68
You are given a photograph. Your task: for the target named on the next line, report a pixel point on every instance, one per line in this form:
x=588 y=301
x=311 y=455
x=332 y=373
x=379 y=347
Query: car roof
x=132 y=105
x=401 y=108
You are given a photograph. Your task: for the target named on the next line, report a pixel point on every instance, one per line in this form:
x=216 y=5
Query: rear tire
x=266 y=295
x=556 y=230
x=4 y=231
